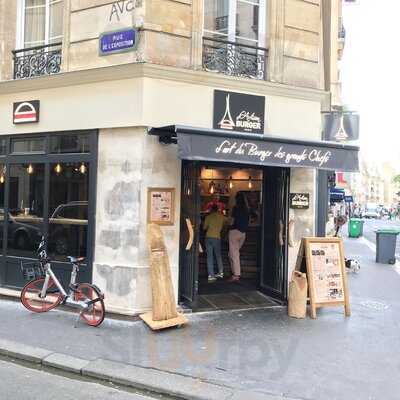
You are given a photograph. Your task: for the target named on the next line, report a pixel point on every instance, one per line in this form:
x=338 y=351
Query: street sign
x=118 y=41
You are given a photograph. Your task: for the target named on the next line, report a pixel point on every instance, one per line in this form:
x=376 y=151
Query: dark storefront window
x=46 y=188
x=25 y=208
x=70 y=144
x=2 y=191
x=27 y=145
x=68 y=210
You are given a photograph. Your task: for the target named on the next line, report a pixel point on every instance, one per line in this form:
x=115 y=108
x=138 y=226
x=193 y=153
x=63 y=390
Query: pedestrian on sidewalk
x=213 y=225
x=237 y=234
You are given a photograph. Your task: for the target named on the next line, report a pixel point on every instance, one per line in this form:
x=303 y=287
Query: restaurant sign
x=299 y=201
x=238 y=112
x=118 y=41
x=26 y=112
x=267 y=152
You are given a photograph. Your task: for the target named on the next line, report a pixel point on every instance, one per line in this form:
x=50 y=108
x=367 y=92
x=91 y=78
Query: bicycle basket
x=32 y=270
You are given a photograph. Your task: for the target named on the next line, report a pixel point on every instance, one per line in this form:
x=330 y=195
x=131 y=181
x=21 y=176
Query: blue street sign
x=118 y=41
x=348 y=199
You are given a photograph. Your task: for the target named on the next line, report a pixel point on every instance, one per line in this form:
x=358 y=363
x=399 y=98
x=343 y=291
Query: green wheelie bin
x=356 y=226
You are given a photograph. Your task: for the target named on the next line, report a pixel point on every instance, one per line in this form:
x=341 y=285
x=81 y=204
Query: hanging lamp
x=250 y=182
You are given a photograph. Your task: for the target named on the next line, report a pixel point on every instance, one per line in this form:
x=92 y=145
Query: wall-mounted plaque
x=161 y=206
x=299 y=201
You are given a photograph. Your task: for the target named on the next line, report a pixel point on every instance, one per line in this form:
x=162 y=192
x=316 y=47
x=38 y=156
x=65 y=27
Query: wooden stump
x=164 y=313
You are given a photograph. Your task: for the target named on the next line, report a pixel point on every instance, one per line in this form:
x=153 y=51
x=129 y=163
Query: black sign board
x=341 y=127
x=266 y=151
x=238 y=112
x=300 y=201
x=25 y=112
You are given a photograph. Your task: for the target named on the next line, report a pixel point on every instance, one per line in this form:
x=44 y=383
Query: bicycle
x=44 y=292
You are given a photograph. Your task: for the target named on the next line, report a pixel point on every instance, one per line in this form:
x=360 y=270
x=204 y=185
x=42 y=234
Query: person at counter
x=237 y=234
x=216 y=201
x=213 y=225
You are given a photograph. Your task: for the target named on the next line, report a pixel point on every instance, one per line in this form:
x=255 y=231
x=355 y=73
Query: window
x=40 y=22
x=234 y=38
x=241 y=21
x=70 y=144
x=27 y=145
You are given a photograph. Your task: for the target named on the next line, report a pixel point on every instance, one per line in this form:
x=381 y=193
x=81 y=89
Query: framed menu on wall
x=326 y=273
x=161 y=206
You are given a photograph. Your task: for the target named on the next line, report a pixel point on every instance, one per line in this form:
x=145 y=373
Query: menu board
x=326 y=272
x=160 y=206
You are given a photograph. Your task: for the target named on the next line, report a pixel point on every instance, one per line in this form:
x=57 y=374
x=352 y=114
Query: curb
x=148 y=379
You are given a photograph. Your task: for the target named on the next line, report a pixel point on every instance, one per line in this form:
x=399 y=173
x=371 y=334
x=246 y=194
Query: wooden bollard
x=164 y=313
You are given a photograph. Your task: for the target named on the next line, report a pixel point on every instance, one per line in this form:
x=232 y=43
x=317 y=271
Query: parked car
x=68 y=229
x=21 y=235
x=371 y=211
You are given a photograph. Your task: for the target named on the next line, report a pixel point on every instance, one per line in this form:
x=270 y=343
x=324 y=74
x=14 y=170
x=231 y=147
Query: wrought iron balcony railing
x=234 y=59
x=37 y=61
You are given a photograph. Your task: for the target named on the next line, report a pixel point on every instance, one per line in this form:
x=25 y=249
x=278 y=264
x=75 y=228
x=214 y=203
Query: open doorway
x=220 y=186
x=263 y=267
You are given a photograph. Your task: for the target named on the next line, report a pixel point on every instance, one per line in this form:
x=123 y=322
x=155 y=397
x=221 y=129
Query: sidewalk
x=258 y=354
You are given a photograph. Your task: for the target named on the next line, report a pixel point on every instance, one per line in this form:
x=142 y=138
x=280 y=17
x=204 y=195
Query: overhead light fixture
x=58 y=169
x=82 y=168
x=30 y=169
x=230 y=182
x=250 y=182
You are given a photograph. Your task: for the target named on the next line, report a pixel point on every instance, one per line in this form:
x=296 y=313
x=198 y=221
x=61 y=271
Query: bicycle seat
x=76 y=260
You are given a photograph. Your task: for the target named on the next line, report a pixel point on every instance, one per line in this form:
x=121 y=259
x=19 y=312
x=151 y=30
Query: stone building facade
x=164 y=81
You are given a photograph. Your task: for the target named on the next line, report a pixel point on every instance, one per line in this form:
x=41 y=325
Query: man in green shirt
x=213 y=226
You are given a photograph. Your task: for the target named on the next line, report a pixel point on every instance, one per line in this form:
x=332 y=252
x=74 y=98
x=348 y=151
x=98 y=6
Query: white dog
x=352 y=266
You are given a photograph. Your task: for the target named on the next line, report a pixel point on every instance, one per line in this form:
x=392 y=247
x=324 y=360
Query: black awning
x=214 y=145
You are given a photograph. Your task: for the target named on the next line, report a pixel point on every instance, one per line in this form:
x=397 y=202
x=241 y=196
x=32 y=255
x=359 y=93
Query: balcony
x=234 y=59
x=37 y=61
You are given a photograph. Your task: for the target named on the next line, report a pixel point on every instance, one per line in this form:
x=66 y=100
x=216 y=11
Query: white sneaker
x=211 y=278
x=220 y=275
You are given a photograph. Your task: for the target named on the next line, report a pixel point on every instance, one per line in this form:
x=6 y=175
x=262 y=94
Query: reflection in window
x=25 y=218
x=27 y=145
x=70 y=144
x=3 y=147
x=68 y=210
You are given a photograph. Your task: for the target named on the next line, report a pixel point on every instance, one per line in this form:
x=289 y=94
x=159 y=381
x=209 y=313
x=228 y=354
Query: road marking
x=369 y=244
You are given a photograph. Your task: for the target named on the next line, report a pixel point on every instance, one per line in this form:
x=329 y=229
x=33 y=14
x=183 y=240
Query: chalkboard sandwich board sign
x=326 y=273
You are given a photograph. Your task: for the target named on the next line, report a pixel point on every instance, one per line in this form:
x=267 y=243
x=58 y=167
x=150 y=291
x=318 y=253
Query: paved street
x=261 y=351
x=371 y=225
x=21 y=383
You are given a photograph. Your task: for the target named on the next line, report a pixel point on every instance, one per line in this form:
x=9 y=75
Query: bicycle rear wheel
x=96 y=312
x=33 y=302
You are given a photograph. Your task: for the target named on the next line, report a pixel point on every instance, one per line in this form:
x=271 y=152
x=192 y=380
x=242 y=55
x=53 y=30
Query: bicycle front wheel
x=96 y=312
x=31 y=296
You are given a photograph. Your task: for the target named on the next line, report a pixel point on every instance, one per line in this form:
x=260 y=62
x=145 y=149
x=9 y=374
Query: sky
x=370 y=75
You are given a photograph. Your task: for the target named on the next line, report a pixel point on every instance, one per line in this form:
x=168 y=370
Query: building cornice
x=154 y=71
